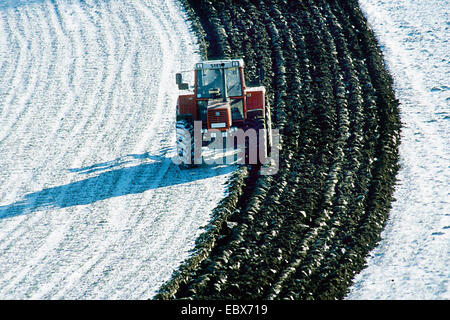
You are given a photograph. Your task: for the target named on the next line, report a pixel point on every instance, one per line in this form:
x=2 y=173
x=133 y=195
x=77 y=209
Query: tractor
x=222 y=104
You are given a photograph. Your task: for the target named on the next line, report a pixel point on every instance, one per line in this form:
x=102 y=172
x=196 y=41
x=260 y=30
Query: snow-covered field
x=91 y=205
x=413 y=259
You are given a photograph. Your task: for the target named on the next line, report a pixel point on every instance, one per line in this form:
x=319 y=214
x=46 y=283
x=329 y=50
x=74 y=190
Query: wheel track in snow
x=28 y=120
x=94 y=112
x=93 y=210
x=50 y=137
x=32 y=178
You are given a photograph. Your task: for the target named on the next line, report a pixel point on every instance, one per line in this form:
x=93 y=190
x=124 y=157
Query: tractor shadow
x=131 y=174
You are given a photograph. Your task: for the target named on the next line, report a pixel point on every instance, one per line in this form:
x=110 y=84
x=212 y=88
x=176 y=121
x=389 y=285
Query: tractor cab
x=219 y=79
x=219 y=93
x=220 y=101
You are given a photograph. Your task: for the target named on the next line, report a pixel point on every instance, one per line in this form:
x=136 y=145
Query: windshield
x=211 y=80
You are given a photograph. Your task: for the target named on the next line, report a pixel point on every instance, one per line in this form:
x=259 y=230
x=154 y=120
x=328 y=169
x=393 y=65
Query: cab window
x=233 y=78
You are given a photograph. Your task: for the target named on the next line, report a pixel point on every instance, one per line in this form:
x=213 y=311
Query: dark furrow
x=304 y=232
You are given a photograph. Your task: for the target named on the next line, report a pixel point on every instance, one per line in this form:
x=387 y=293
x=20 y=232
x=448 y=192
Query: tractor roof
x=218 y=64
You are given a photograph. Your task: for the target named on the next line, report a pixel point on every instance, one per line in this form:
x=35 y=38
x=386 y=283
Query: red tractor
x=222 y=103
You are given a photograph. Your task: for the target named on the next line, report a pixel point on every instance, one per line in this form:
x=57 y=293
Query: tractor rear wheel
x=185 y=143
x=261 y=138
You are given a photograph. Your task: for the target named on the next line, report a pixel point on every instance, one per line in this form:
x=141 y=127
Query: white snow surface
x=91 y=205
x=413 y=259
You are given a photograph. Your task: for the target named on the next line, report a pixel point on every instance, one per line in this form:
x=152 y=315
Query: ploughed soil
x=304 y=232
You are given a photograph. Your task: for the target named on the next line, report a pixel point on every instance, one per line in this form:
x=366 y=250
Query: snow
x=91 y=205
x=412 y=260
